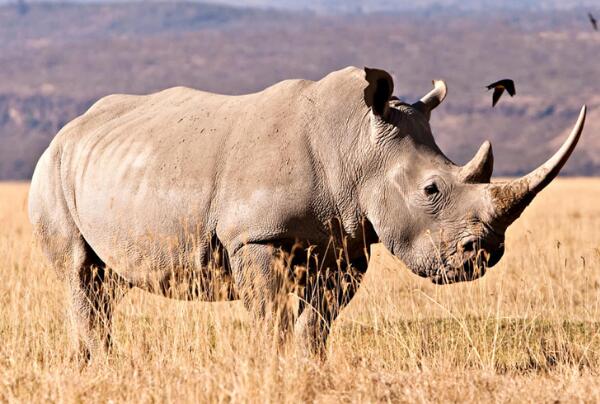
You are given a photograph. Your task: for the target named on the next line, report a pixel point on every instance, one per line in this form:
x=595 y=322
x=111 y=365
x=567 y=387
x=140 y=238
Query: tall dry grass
x=528 y=331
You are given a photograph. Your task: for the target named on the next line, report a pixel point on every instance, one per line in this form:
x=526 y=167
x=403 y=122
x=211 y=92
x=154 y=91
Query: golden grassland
x=528 y=331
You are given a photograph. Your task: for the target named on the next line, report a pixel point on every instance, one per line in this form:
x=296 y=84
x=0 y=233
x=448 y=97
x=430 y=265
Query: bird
x=593 y=21
x=499 y=87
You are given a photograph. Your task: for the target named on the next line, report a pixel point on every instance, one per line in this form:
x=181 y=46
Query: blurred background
x=57 y=58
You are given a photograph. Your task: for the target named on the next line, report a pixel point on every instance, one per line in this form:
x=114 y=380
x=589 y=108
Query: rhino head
x=445 y=222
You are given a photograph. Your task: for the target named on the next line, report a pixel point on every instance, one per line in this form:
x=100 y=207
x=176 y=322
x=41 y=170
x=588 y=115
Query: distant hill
x=56 y=59
x=352 y=6
x=336 y=6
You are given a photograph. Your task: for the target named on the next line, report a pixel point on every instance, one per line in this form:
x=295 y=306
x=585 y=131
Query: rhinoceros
x=238 y=197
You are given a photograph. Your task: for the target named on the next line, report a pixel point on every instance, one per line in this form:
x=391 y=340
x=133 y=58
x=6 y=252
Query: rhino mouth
x=470 y=269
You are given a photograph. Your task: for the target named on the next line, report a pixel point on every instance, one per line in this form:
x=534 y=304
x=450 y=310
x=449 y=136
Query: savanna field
x=528 y=331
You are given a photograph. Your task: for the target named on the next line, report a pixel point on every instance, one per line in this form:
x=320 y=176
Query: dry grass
x=528 y=331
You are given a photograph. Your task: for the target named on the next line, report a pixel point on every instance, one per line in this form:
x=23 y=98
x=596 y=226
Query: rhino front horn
x=511 y=198
x=432 y=99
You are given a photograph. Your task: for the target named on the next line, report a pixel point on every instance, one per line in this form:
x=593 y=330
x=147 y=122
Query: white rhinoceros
x=231 y=197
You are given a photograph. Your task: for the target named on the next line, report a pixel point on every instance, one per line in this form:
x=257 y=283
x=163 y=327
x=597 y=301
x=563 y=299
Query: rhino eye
x=431 y=189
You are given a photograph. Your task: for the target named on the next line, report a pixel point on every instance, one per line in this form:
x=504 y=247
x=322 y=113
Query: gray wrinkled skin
x=182 y=185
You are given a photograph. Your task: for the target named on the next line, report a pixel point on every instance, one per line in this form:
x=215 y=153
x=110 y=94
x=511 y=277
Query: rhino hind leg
x=94 y=291
x=93 y=288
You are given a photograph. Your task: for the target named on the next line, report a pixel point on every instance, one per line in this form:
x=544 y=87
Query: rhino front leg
x=326 y=295
x=262 y=281
x=310 y=333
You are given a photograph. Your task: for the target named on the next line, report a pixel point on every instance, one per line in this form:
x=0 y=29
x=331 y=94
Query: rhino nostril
x=469 y=246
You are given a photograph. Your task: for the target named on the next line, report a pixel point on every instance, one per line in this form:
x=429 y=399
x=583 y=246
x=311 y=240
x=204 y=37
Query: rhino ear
x=432 y=99
x=378 y=91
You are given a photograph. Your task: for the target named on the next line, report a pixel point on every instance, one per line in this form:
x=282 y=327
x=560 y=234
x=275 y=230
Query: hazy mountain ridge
x=353 y=6
x=366 y=6
x=57 y=59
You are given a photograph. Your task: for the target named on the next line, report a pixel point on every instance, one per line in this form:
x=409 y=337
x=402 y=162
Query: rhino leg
x=94 y=290
x=325 y=297
x=262 y=283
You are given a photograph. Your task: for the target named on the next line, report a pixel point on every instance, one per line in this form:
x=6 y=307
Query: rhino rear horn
x=479 y=169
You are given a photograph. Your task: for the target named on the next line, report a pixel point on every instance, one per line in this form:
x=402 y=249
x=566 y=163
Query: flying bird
x=593 y=21
x=499 y=87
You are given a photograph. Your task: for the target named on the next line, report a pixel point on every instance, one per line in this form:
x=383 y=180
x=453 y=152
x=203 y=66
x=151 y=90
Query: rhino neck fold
x=339 y=144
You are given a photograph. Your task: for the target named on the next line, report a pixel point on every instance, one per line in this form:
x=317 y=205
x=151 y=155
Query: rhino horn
x=479 y=169
x=432 y=99
x=512 y=197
